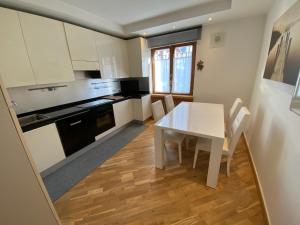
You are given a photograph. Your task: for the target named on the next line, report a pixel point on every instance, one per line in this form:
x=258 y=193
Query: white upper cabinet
x=139 y=56
x=82 y=46
x=105 y=45
x=113 y=56
x=15 y=67
x=47 y=48
x=146 y=58
x=120 y=54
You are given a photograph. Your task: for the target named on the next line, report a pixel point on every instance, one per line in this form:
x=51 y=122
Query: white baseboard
x=258 y=181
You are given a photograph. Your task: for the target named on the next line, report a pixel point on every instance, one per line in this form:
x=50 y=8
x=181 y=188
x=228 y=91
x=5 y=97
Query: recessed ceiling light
x=209 y=19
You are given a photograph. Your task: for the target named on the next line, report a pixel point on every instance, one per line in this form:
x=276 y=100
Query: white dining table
x=197 y=119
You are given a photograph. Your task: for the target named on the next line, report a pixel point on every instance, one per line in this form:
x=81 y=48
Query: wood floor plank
x=128 y=189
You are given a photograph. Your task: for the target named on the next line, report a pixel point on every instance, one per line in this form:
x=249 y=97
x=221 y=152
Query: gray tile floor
x=62 y=179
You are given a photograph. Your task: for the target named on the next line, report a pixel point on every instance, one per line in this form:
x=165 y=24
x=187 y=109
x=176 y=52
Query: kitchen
x=71 y=100
x=149 y=112
x=76 y=85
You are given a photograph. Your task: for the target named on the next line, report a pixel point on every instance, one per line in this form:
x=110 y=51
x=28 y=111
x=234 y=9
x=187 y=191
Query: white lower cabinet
x=123 y=112
x=45 y=146
x=44 y=142
x=142 y=108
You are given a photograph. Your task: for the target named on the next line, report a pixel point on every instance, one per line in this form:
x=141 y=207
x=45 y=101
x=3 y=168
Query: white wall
x=274 y=137
x=27 y=101
x=229 y=71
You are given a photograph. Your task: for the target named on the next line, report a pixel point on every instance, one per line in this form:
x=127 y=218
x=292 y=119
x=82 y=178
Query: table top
x=195 y=118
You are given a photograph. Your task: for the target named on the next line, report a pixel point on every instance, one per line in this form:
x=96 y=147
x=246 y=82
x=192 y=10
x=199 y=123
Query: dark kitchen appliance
x=76 y=131
x=94 y=74
x=102 y=113
x=134 y=86
x=129 y=87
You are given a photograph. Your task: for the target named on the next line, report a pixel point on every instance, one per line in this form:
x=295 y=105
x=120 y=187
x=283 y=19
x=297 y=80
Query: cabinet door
x=15 y=67
x=134 y=57
x=146 y=58
x=47 y=49
x=137 y=109
x=45 y=146
x=81 y=43
x=123 y=112
x=120 y=54
x=146 y=105
x=104 y=45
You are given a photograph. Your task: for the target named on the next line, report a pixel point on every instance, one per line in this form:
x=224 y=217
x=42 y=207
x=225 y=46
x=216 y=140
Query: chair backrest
x=235 y=108
x=169 y=103
x=238 y=126
x=158 y=110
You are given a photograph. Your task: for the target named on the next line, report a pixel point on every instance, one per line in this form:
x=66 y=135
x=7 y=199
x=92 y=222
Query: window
x=173 y=69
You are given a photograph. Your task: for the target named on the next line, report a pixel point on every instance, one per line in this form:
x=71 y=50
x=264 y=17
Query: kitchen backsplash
x=31 y=98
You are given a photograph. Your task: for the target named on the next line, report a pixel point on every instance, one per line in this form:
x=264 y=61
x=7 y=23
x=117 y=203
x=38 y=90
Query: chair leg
x=165 y=151
x=228 y=165
x=180 y=152
x=195 y=158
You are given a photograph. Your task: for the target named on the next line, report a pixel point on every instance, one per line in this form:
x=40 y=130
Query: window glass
x=162 y=70
x=182 y=69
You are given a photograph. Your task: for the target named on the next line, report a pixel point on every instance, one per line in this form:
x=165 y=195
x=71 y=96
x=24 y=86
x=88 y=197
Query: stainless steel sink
x=31 y=119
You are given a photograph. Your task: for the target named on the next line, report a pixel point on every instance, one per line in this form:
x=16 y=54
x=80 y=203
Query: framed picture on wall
x=283 y=63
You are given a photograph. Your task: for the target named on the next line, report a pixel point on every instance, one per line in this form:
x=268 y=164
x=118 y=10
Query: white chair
x=169 y=103
x=169 y=136
x=230 y=142
x=235 y=108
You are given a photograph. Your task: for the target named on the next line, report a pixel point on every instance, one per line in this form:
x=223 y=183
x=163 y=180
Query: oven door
x=105 y=119
x=76 y=132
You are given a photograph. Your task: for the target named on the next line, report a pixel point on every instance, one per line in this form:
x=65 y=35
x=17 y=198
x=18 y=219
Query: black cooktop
x=63 y=112
x=94 y=103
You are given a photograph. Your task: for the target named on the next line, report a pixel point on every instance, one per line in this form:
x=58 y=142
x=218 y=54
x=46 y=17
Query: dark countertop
x=58 y=112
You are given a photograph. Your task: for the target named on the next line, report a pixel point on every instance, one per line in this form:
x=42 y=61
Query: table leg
x=159 y=147
x=214 y=162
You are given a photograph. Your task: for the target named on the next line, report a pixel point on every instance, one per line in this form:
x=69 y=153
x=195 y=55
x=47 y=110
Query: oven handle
x=75 y=123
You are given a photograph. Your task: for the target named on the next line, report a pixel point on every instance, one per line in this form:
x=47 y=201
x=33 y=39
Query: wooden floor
x=127 y=189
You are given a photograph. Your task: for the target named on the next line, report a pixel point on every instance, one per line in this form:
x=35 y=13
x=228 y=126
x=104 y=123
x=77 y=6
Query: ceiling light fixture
x=209 y=19
x=174 y=27
x=145 y=33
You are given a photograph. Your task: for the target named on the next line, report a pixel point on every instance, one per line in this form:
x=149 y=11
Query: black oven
x=104 y=118
x=102 y=115
x=76 y=131
x=79 y=130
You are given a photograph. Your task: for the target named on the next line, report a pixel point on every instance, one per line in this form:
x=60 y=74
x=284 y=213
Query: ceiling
x=142 y=17
x=129 y=11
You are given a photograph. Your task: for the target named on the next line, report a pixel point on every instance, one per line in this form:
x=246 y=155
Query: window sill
x=177 y=98
x=174 y=96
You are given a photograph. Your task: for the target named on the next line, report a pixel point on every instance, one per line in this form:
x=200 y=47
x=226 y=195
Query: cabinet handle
x=75 y=123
